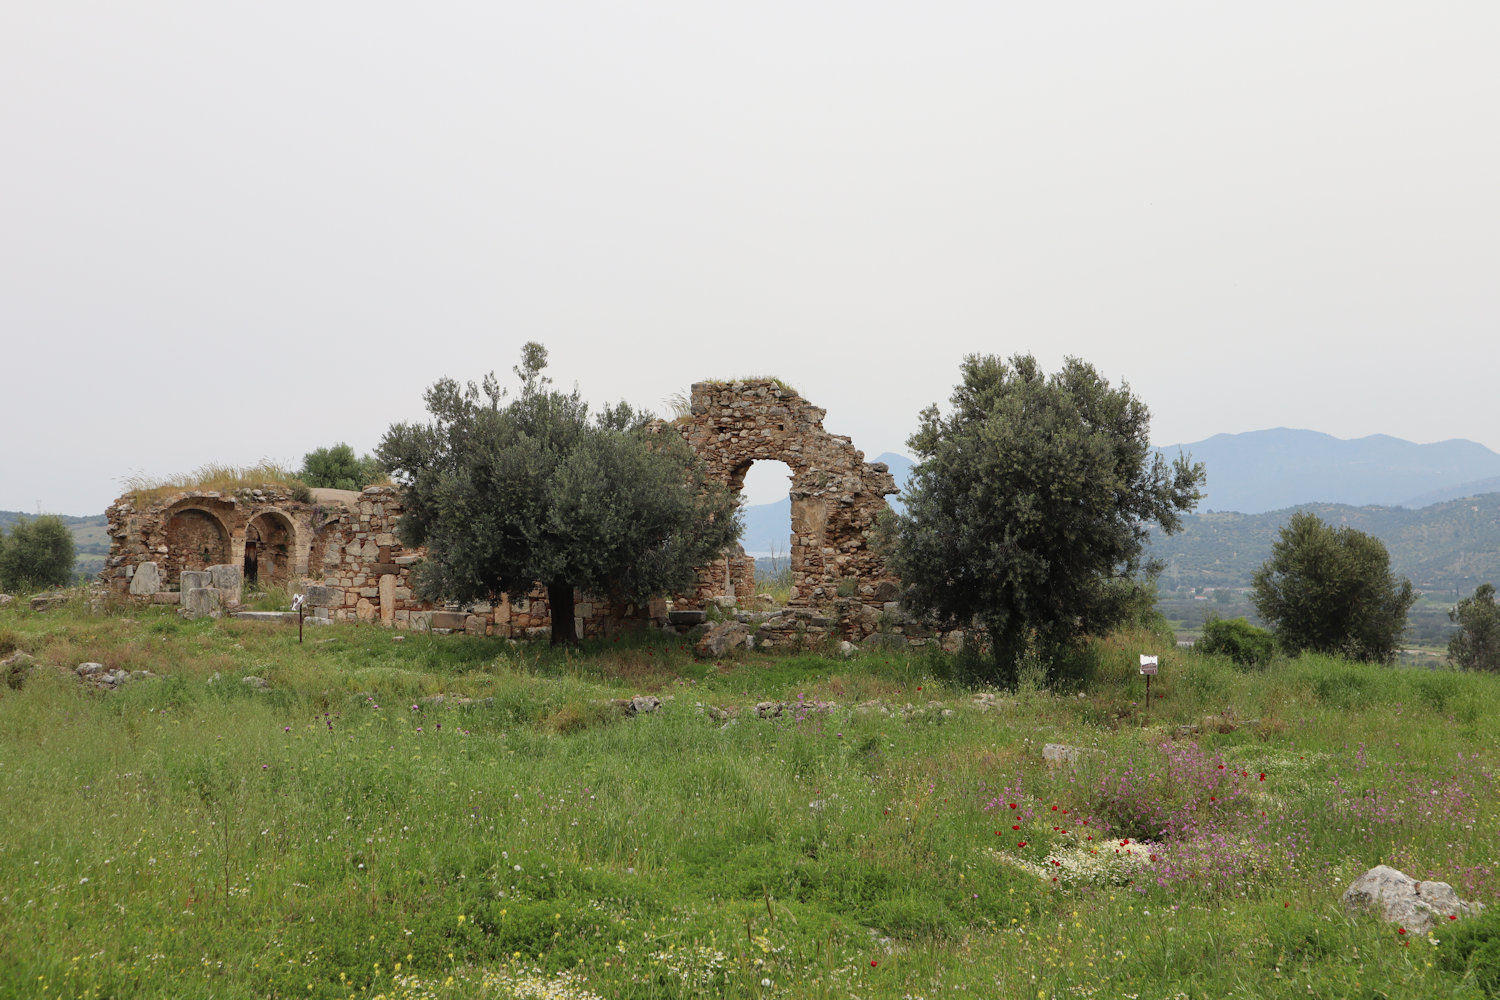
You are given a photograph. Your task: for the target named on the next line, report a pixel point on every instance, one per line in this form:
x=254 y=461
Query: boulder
x=642 y=704
x=721 y=638
x=6 y=599
x=146 y=580
x=847 y=649
x=1401 y=899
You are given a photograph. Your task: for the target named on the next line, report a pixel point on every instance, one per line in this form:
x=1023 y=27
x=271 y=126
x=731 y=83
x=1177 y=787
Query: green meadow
x=442 y=817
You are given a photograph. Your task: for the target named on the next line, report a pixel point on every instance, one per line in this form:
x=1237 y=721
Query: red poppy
x=1401 y=930
x=1021 y=844
x=873 y=963
x=1016 y=827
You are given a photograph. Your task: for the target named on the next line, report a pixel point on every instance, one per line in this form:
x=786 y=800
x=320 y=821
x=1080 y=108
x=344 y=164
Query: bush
x=1237 y=639
x=1477 y=644
x=38 y=554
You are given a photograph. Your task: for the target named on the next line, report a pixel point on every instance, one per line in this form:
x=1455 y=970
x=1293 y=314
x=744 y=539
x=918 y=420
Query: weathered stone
x=88 y=669
x=885 y=592
x=258 y=683
x=1057 y=754
x=323 y=597
x=192 y=579
x=847 y=649
x=686 y=619
x=200 y=602
x=884 y=640
x=1401 y=899
x=45 y=602
x=227 y=580
x=720 y=638
x=387 y=599
x=6 y=599
x=278 y=617
x=642 y=704
x=146 y=580
x=448 y=619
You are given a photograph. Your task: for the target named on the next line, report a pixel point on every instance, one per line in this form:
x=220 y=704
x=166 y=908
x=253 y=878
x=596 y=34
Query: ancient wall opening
x=835 y=495
x=196 y=540
x=765 y=488
x=270 y=550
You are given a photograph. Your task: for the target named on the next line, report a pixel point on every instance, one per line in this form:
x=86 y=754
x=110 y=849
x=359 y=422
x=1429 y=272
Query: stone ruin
x=197 y=547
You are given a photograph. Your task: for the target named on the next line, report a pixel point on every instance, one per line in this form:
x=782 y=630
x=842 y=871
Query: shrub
x=38 y=554
x=1237 y=639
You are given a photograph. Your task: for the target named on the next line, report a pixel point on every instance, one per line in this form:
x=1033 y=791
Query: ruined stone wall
x=341 y=550
x=836 y=495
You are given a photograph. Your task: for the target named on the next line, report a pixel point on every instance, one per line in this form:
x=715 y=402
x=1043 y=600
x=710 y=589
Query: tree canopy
x=1476 y=645
x=1027 y=509
x=338 y=468
x=1331 y=590
x=506 y=493
x=38 y=553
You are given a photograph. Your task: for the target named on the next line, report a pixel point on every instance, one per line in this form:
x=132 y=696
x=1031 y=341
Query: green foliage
x=1477 y=644
x=38 y=553
x=1027 y=509
x=1236 y=638
x=503 y=496
x=338 y=468
x=1331 y=590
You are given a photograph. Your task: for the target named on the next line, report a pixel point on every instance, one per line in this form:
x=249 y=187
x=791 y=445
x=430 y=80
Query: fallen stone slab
x=280 y=617
x=46 y=602
x=1402 y=900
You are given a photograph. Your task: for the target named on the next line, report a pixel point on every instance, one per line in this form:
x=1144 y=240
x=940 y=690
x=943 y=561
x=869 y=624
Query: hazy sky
x=233 y=231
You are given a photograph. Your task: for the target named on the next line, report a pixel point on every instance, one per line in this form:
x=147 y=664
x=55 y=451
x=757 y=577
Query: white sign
x=296 y=602
x=1148 y=664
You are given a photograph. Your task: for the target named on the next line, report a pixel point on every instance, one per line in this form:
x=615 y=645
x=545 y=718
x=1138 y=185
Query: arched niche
x=270 y=550
x=195 y=539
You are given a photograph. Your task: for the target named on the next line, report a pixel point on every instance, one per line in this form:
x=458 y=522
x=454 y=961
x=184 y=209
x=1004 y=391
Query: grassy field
x=457 y=817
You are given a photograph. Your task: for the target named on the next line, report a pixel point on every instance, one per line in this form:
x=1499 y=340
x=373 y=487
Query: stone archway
x=196 y=539
x=836 y=495
x=270 y=550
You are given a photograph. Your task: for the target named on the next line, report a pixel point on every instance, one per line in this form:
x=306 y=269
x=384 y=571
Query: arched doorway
x=765 y=488
x=195 y=540
x=268 y=550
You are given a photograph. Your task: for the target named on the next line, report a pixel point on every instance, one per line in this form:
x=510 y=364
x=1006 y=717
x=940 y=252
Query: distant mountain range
x=1262 y=471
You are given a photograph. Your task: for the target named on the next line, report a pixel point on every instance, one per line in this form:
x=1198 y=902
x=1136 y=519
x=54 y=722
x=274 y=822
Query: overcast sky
x=234 y=231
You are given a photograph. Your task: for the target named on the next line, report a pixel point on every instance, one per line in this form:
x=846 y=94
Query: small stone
x=258 y=683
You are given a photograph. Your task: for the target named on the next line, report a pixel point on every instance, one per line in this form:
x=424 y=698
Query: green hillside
x=1447 y=549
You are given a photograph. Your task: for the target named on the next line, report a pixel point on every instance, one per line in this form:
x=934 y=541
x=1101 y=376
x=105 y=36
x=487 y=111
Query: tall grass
x=214 y=476
x=459 y=817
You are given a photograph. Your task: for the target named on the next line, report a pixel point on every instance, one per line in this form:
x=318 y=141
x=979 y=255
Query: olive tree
x=338 y=468
x=1331 y=590
x=1476 y=645
x=38 y=553
x=508 y=492
x=1027 y=510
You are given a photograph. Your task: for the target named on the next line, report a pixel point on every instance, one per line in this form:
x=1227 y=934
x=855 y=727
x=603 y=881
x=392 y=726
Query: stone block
x=200 y=602
x=226 y=579
x=167 y=597
x=387 y=599
x=365 y=611
x=193 y=579
x=146 y=581
x=448 y=619
x=324 y=597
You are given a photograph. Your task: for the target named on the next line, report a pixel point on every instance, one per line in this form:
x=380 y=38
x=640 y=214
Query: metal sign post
x=297 y=607
x=1148 y=667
